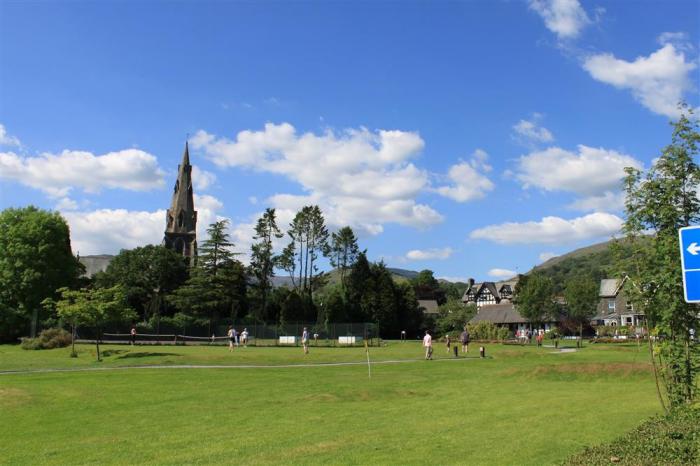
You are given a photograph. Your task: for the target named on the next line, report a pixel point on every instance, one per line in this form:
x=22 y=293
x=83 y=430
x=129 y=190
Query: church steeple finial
x=186 y=155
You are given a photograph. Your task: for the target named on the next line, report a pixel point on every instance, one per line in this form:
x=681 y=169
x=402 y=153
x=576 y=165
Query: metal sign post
x=689 y=239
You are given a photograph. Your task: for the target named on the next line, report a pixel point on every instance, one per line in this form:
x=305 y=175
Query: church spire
x=181 y=218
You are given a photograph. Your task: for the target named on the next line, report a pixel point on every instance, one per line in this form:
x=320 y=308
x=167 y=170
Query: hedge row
x=672 y=439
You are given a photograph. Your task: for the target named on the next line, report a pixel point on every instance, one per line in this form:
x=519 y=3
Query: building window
x=629 y=307
x=611 y=306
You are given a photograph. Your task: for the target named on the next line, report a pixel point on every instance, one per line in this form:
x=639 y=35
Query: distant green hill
x=595 y=261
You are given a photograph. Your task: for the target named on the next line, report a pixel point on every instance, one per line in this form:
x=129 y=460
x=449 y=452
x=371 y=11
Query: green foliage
x=217 y=284
x=375 y=297
x=671 y=439
x=662 y=200
x=453 y=291
x=454 y=316
x=146 y=274
x=262 y=260
x=309 y=237
x=581 y=294
x=343 y=251
x=484 y=330
x=49 y=338
x=94 y=308
x=35 y=261
x=534 y=298
x=426 y=286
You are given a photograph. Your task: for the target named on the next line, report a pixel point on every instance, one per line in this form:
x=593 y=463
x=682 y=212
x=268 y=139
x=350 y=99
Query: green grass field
x=522 y=405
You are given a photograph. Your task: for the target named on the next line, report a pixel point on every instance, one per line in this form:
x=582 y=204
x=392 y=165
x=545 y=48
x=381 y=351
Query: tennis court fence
x=329 y=335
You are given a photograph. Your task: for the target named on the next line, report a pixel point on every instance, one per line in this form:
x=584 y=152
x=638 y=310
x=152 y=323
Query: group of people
x=235 y=338
x=428 y=343
x=525 y=336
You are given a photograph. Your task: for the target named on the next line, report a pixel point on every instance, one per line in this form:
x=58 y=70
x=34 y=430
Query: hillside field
x=521 y=405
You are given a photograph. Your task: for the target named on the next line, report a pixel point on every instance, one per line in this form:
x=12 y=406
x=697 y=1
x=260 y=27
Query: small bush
x=48 y=339
x=672 y=439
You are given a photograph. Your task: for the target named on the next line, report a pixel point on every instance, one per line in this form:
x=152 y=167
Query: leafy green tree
x=581 y=295
x=662 y=200
x=309 y=237
x=343 y=251
x=94 y=308
x=35 y=261
x=217 y=284
x=262 y=260
x=146 y=274
x=427 y=286
x=454 y=315
x=534 y=298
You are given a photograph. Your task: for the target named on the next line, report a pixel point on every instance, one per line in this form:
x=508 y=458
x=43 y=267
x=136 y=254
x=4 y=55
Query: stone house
x=614 y=307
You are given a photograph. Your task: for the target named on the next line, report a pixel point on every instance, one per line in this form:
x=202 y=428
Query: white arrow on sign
x=693 y=249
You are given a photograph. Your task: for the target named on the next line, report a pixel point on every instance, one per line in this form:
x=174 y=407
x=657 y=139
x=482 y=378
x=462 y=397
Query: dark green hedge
x=663 y=440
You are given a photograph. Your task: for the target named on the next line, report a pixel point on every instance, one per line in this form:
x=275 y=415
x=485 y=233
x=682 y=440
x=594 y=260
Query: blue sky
x=472 y=138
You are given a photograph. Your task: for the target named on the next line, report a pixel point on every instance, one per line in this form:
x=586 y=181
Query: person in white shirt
x=428 y=344
x=305 y=340
x=244 y=337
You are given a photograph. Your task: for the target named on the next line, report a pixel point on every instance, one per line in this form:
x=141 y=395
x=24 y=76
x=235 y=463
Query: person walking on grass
x=464 y=339
x=231 y=337
x=305 y=340
x=244 y=337
x=428 y=344
x=447 y=343
x=133 y=335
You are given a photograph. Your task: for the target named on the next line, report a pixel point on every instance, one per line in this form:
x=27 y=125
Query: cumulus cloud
x=358 y=177
x=58 y=174
x=106 y=231
x=545 y=256
x=529 y=131
x=428 y=254
x=565 y=18
x=595 y=174
x=551 y=230
x=501 y=273
x=468 y=179
x=202 y=179
x=6 y=139
x=658 y=81
x=680 y=40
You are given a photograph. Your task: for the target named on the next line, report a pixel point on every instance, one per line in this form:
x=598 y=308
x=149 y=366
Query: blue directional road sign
x=690 y=261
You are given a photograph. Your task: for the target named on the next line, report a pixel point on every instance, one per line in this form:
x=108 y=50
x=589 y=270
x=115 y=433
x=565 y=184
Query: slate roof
x=498 y=314
x=608 y=287
x=429 y=306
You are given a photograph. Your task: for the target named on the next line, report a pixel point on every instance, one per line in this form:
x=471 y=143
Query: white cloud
x=501 y=273
x=551 y=230
x=106 y=231
x=358 y=177
x=202 y=179
x=57 y=174
x=468 y=179
x=565 y=18
x=545 y=256
x=8 y=140
x=595 y=174
x=428 y=254
x=658 y=81
x=66 y=203
x=680 y=40
x=529 y=131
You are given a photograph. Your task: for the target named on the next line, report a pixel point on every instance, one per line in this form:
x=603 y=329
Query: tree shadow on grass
x=109 y=353
x=146 y=355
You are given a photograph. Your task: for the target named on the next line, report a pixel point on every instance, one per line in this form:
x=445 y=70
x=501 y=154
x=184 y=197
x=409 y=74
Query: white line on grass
x=212 y=366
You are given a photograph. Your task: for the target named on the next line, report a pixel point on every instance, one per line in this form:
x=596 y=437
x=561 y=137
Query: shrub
x=48 y=339
x=484 y=330
x=672 y=439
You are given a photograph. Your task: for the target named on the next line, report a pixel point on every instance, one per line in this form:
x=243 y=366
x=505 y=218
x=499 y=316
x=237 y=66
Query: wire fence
x=328 y=335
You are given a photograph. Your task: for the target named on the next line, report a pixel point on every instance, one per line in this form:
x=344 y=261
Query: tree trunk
x=72 y=340
x=35 y=322
x=97 y=344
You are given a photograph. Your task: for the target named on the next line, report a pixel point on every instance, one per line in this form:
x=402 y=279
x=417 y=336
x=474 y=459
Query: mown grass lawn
x=522 y=405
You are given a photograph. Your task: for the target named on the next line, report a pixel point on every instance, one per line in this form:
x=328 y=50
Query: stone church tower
x=181 y=218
